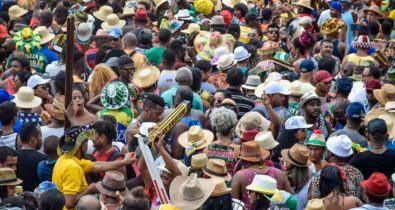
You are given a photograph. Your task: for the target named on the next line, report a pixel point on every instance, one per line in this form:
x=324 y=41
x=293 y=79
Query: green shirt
x=168 y=98
x=154 y=55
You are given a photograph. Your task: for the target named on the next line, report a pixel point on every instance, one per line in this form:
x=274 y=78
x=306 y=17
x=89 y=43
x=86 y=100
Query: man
x=129 y=44
x=88 y=202
x=115 y=34
x=183 y=78
x=273 y=32
x=242 y=57
x=154 y=55
x=339 y=115
x=71 y=167
x=355 y=114
x=235 y=81
x=168 y=73
x=339 y=149
x=372 y=72
x=306 y=75
x=377 y=188
x=56 y=66
x=373 y=14
x=205 y=69
x=126 y=69
x=326 y=50
x=79 y=67
x=370 y=87
x=361 y=58
x=8 y=158
x=50 y=56
x=178 y=47
x=29 y=157
x=8 y=112
x=378 y=158
x=101 y=39
x=112 y=189
x=323 y=83
x=336 y=9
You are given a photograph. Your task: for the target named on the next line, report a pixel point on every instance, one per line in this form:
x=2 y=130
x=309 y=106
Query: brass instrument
x=169 y=122
x=381 y=59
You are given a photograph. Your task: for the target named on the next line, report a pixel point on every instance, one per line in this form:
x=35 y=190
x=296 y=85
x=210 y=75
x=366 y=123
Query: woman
x=8 y=183
x=21 y=79
x=332 y=190
x=18 y=64
x=316 y=146
x=240 y=11
x=221 y=198
x=250 y=125
x=223 y=121
x=102 y=74
x=76 y=112
x=297 y=161
x=261 y=187
x=294 y=132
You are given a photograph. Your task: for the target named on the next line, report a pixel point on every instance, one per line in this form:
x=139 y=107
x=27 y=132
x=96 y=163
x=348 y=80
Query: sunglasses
x=273 y=32
x=130 y=70
x=114 y=39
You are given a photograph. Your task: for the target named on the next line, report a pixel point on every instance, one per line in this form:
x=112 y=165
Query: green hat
x=391 y=74
x=282 y=59
x=282 y=198
x=114 y=95
x=317 y=139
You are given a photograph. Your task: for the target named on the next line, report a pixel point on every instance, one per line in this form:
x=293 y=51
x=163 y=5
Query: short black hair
x=169 y=56
x=6 y=152
x=387 y=26
x=184 y=93
x=234 y=29
x=164 y=35
x=78 y=55
x=327 y=63
x=242 y=7
x=374 y=71
x=203 y=65
x=153 y=100
x=234 y=77
x=374 y=28
x=60 y=85
x=28 y=130
x=266 y=13
x=227 y=93
x=176 y=45
x=109 y=118
x=106 y=128
x=51 y=200
x=8 y=112
x=196 y=79
x=325 y=40
x=61 y=10
x=115 y=53
x=24 y=76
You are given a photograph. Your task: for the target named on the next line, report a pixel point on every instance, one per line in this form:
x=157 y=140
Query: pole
x=69 y=67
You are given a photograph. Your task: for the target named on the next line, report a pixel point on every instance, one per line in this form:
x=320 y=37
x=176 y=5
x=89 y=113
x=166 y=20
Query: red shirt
x=105 y=157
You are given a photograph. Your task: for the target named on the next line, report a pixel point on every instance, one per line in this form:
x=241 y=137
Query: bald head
x=88 y=202
x=129 y=40
x=184 y=76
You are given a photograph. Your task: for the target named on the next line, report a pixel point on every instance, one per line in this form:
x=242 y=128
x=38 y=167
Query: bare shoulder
x=352 y=202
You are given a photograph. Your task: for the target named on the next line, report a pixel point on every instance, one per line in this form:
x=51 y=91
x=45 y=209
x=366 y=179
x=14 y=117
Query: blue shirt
x=168 y=98
x=17 y=126
x=25 y=117
x=45 y=169
x=49 y=54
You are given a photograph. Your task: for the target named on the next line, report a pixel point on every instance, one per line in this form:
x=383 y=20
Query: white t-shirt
x=167 y=80
x=47 y=131
x=54 y=68
x=8 y=140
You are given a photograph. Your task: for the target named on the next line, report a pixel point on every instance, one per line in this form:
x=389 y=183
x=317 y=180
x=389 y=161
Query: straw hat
x=385 y=94
x=374 y=9
x=192 y=27
x=16 y=12
x=304 y=3
x=183 y=14
x=159 y=2
x=330 y=26
x=251 y=121
x=390 y=106
x=190 y=192
x=8 y=177
x=266 y=140
x=199 y=161
x=226 y=62
x=298 y=155
x=114 y=95
x=46 y=36
x=232 y=3
x=216 y=168
x=197 y=137
x=56 y=109
x=25 y=98
x=205 y=43
x=113 y=21
x=388 y=117
x=103 y=12
x=112 y=184
x=263 y=184
x=251 y=152
x=146 y=77
x=295 y=89
x=315 y=204
x=220 y=188
x=84 y=32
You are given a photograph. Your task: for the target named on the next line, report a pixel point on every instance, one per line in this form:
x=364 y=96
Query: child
x=45 y=167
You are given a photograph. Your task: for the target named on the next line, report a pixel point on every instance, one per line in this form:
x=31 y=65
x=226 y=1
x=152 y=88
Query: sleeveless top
x=336 y=51
x=358 y=60
x=224 y=152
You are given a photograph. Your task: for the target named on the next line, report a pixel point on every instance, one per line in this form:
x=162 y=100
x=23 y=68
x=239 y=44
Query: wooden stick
x=69 y=67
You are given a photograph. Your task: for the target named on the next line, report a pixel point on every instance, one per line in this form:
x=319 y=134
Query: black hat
x=125 y=62
x=74 y=136
x=377 y=125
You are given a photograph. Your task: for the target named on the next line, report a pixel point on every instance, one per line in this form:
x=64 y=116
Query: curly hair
x=102 y=75
x=223 y=120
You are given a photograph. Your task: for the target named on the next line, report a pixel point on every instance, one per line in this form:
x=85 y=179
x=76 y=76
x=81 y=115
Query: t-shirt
x=47 y=131
x=154 y=55
x=26 y=117
x=8 y=140
x=368 y=162
x=208 y=87
x=244 y=103
x=49 y=54
x=105 y=157
x=45 y=169
x=167 y=80
x=28 y=160
x=123 y=116
x=353 y=135
x=168 y=98
x=54 y=68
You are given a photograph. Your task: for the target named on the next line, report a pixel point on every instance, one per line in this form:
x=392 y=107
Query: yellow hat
x=204 y=6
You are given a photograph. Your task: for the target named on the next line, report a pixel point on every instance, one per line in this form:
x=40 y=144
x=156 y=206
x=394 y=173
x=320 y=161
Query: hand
x=49 y=99
x=129 y=158
x=266 y=100
x=159 y=140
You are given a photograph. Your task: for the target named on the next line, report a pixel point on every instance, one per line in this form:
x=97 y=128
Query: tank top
x=358 y=60
x=336 y=51
x=223 y=152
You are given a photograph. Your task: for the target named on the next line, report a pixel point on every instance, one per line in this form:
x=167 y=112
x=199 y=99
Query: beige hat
x=159 y=2
x=220 y=188
x=304 y=3
x=199 y=138
x=266 y=140
x=315 y=204
x=298 y=155
x=199 y=161
x=192 y=27
x=390 y=106
x=25 y=98
x=103 y=12
x=295 y=89
x=252 y=121
x=216 y=168
x=385 y=94
x=146 y=77
x=374 y=9
x=16 y=12
x=46 y=36
x=232 y=3
x=226 y=62
x=8 y=177
x=184 y=170
x=113 y=21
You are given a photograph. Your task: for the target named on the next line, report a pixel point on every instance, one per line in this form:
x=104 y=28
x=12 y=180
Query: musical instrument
x=380 y=58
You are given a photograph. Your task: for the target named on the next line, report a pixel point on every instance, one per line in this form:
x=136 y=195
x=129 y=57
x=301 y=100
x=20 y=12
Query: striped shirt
x=243 y=103
x=8 y=140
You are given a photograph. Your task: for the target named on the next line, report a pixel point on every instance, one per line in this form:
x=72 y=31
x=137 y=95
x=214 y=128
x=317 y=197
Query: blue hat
x=307 y=66
x=5 y=96
x=46 y=185
x=116 y=32
x=344 y=84
x=355 y=111
x=337 y=6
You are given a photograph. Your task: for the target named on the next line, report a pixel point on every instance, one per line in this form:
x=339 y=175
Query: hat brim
x=249 y=87
x=27 y=104
x=365 y=182
x=14 y=183
x=107 y=27
x=227 y=67
x=103 y=190
x=316 y=143
x=144 y=84
x=379 y=95
x=208 y=136
x=221 y=193
x=284 y=154
x=261 y=190
x=47 y=38
x=282 y=63
x=302 y=5
x=227 y=178
x=99 y=16
x=264 y=155
x=370 y=10
x=21 y=13
x=243 y=58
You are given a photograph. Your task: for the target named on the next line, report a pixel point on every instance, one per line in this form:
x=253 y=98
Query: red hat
x=141 y=15
x=373 y=85
x=249 y=135
x=3 y=32
x=377 y=185
x=323 y=76
x=227 y=17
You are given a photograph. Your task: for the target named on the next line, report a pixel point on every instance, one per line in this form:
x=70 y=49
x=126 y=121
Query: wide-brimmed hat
x=8 y=177
x=304 y=3
x=103 y=12
x=220 y=188
x=71 y=141
x=374 y=9
x=362 y=41
x=263 y=66
x=251 y=121
x=128 y=9
x=282 y=59
x=252 y=82
x=341 y=146
x=205 y=43
x=56 y=109
x=385 y=94
x=315 y=204
x=84 y=32
x=190 y=192
x=388 y=117
x=266 y=140
x=263 y=184
x=192 y=27
x=58 y=42
x=390 y=106
x=114 y=95
x=198 y=161
x=377 y=185
x=269 y=47
x=272 y=87
x=146 y=77
x=46 y=36
x=330 y=26
x=183 y=14
x=297 y=155
x=112 y=184
x=218 y=53
x=113 y=21
x=196 y=137
x=241 y=54
x=225 y=62
x=232 y=3
x=16 y=12
x=296 y=122
x=216 y=168
x=311 y=95
x=25 y=98
x=27 y=40
x=317 y=139
x=295 y=89
x=251 y=151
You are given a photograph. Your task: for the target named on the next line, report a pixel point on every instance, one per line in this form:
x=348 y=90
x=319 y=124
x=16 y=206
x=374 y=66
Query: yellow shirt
x=69 y=174
x=358 y=60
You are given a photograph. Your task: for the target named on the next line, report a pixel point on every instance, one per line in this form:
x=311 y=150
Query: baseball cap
x=275 y=87
x=373 y=85
x=355 y=110
x=125 y=61
x=377 y=125
x=36 y=80
x=296 y=122
x=141 y=15
x=345 y=84
x=323 y=76
x=116 y=32
x=336 y=5
x=306 y=66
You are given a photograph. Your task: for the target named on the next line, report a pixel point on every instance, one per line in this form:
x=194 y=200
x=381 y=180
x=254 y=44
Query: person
x=306 y=75
x=21 y=79
x=361 y=58
x=124 y=68
x=69 y=170
x=378 y=154
x=154 y=55
x=332 y=189
x=168 y=74
x=111 y=189
x=45 y=167
x=102 y=74
x=317 y=145
x=8 y=117
x=26 y=101
x=136 y=199
x=8 y=183
x=51 y=200
x=323 y=80
x=220 y=198
x=41 y=88
x=376 y=188
x=88 y=202
x=260 y=187
x=205 y=68
x=129 y=44
x=56 y=110
x=8 y=157
x=18 y=64
x=28 y=156
x=76 y=112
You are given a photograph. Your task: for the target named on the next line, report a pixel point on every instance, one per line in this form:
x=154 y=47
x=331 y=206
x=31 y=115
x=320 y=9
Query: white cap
x=341 y=146
x=36 y=80
x=144 y=129
x=296 y=122
x=275 y=87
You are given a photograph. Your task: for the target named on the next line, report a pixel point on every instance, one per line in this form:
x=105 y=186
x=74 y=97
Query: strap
x=111 y=188
x=293 y=159
x=132 y=53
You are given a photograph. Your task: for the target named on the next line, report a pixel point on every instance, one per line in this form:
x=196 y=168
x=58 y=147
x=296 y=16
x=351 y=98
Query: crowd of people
x=197 y=105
